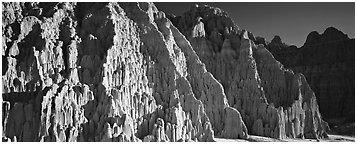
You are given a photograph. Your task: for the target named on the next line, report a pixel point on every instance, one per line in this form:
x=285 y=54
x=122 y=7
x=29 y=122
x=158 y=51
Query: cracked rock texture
x=108 y=72
x=272 y=101
x=327 y=61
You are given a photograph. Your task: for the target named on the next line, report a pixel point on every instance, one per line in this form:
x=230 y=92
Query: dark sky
x=291 y=21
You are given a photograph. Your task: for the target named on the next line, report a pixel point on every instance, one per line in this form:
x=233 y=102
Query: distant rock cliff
x=125 y=72
x=273 y=101
x=327 y=61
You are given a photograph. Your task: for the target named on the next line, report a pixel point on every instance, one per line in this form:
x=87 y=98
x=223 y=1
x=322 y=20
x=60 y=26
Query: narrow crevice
x=4 y=65
x=65 y=37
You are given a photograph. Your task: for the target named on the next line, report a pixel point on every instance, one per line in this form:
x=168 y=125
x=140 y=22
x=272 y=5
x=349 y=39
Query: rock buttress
x=273 y=102
x=106 y=72
x=200 y=83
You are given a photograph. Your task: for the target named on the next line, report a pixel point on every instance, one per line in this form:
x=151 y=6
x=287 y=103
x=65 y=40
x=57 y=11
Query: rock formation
x=272 y=100
x=126 y=72
x=327 y=61
x=106 y=72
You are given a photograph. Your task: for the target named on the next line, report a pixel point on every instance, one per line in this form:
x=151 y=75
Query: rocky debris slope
x=327 y=61
x=273 y=101
x=106 y=72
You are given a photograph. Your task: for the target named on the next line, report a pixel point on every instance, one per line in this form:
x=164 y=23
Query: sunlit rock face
x=327 y=61
x=107 y=72
x=273 y=101
x=128 y=72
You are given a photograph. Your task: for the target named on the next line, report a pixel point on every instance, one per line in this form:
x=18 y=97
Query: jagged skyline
x=291 y=21
x=126 y=72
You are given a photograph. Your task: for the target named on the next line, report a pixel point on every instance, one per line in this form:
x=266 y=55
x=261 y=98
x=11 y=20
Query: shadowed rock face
x=272 y=100
x=106 y=72
x=327 y=61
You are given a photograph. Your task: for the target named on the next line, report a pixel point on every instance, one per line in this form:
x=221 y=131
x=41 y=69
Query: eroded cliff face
x=327 y=61
x=124 y=72
x=106 y=72
x=272 y=100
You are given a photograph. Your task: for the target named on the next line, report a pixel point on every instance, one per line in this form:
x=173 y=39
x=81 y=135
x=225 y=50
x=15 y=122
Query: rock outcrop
x=107 y=72
x=327 y=61
x=127 y=72
x=272 y=100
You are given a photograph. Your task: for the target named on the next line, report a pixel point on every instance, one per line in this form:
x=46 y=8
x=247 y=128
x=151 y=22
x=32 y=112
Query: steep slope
x=273 y=101
x=106 y=72
x=327 y=61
